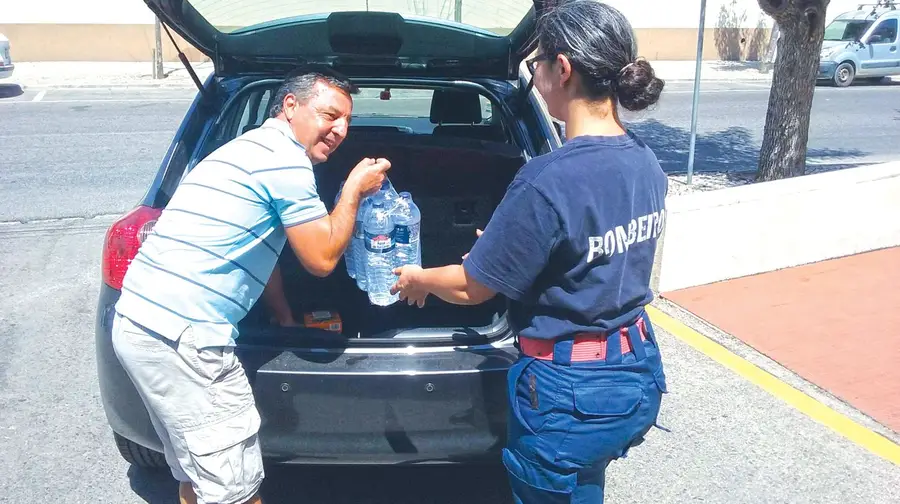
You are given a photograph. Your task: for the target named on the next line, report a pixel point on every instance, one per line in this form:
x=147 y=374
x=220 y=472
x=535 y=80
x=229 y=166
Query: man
x=207 y=262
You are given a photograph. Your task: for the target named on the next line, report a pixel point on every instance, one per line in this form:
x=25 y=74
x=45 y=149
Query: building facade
x=123 y=30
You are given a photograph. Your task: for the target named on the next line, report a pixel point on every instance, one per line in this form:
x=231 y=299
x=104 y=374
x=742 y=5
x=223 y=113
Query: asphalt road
x=65 y=156
x=78 y=153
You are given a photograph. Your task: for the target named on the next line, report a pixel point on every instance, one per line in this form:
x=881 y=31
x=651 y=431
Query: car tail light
x=123 y=239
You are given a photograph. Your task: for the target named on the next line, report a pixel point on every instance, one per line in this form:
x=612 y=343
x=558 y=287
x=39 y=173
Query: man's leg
x=187 y=496
x=161 y=431
x=204 y=402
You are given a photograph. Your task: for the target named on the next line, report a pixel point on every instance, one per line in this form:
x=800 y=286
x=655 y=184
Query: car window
x=885 y=32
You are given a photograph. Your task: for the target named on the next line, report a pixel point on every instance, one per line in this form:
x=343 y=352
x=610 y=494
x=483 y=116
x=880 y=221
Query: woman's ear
x=563 y=69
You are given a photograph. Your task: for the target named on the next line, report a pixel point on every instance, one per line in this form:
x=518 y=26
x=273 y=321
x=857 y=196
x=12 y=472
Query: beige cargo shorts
x=201 y=406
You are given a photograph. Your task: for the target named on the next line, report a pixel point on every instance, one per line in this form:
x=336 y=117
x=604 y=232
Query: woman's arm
x=450 y=283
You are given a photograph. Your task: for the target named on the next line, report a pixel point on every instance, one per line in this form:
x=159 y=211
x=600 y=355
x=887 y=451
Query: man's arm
x=276 y=301
x=319 y=244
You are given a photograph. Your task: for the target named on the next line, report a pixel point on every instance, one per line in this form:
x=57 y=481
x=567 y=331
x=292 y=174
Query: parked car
x=861 y=44
x=6 y=62
x=449 y=104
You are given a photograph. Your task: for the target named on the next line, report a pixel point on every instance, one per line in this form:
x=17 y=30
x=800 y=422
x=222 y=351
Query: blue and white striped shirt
x=214 y=246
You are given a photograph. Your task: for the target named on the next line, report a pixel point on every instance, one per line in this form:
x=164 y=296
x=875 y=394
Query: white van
x=861 y=44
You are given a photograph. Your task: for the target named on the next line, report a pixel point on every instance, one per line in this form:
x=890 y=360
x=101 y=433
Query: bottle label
x=403 y=234
x=380 y=243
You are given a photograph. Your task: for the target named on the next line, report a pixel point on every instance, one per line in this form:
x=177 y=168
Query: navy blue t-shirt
x=572 y=242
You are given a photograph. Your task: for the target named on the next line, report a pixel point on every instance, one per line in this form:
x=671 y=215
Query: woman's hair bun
x=637 y=86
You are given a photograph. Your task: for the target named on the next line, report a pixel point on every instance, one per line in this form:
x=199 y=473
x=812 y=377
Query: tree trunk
x=802 y=25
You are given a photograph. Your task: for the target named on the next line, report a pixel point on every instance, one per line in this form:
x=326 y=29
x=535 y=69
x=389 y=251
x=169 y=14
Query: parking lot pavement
x=730 y=440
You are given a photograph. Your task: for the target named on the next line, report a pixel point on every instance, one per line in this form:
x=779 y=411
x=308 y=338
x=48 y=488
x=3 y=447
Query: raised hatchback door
x=437 y=38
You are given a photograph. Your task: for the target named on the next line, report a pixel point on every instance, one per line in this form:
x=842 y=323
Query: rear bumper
x=355 y=406
x=6 y=71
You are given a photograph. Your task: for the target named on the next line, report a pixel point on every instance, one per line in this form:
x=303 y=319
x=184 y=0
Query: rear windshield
x=497 y=16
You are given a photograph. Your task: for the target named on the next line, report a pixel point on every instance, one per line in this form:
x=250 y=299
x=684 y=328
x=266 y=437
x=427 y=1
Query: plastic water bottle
x=380 y=255
x=407 y=227
x=357 y=245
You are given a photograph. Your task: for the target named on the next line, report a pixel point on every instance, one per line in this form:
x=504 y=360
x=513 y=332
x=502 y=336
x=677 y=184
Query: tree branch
x=774 y=8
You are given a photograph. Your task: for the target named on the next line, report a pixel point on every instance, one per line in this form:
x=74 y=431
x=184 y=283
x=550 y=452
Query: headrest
x=455 y=107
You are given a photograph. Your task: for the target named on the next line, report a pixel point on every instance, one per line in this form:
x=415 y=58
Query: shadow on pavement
x=10 y=90
x=155 y=487
x=356 y=485
x=732 y=150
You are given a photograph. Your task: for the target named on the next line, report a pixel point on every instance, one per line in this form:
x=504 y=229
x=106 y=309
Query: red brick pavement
x=836 y=323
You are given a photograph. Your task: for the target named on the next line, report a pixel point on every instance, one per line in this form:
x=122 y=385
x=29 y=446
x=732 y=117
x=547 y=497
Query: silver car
x=6 y=64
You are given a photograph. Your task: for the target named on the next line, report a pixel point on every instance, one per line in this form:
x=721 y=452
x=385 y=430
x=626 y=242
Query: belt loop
x=637 y=346
x=562 y=351
x=614 y=346
x=648 y=328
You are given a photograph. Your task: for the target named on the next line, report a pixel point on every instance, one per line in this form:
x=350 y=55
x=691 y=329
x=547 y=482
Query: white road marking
x=40 y=96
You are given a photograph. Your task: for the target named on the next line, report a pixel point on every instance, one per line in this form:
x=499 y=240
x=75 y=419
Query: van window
x=846 y=30
x=885 y=32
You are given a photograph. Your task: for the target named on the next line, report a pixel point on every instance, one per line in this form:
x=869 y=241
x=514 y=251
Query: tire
x=844 y=74
x=138 y=455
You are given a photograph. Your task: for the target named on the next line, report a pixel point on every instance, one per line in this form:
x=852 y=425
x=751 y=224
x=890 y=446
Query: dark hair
x=599 y=41
x=302 y=84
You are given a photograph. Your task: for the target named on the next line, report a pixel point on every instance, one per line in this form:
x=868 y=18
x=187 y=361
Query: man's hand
x=367 y=176
x=478 y=233
x=409 y=285
x=319 y=244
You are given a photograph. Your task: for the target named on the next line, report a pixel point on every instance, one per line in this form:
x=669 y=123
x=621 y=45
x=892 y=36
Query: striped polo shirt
x=211 y=253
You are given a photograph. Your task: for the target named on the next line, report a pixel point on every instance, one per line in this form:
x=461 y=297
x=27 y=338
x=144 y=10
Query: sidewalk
x=88 y=74
x=835 y=323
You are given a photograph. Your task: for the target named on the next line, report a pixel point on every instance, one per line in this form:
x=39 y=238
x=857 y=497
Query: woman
x=571 y=245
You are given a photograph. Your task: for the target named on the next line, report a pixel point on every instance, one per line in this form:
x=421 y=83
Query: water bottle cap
x=406 y=195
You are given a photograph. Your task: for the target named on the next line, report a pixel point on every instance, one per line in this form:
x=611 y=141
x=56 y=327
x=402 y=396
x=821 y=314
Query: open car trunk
x=457 y=183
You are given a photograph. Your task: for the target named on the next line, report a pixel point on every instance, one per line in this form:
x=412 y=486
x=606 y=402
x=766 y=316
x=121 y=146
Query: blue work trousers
x=569 y=420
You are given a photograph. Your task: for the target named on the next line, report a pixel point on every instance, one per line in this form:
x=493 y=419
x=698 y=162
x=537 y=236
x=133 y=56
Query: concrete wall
x=122 y=30
x=745 y=230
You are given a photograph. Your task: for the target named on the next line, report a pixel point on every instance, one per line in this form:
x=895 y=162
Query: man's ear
x=290 y=101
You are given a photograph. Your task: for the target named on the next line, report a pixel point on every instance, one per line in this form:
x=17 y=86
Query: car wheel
x=844 y=74
x=138 y=455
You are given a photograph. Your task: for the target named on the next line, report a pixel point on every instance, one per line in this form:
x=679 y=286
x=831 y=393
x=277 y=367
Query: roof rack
x=884 y=4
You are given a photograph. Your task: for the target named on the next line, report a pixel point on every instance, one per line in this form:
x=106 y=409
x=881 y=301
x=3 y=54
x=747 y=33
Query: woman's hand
x=409 y=285
x=478 y=233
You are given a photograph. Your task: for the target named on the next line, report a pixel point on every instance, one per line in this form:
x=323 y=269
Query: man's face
x=321 y=123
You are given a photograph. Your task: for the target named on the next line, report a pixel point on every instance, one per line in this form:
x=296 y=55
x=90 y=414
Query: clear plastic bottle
x=379 y=254
x=407 y=230
x=357 y=245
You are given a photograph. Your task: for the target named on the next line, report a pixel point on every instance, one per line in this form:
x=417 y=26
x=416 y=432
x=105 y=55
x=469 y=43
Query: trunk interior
x=457 y=182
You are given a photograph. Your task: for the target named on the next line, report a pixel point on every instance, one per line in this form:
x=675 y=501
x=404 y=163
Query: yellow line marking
x=843 y=425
